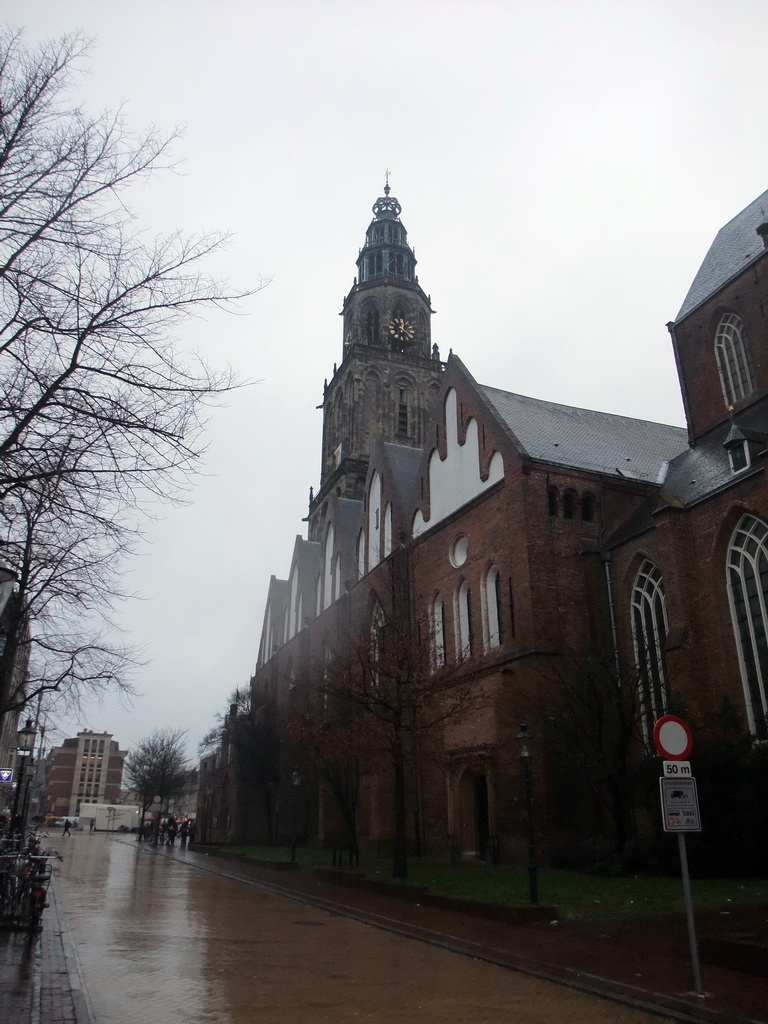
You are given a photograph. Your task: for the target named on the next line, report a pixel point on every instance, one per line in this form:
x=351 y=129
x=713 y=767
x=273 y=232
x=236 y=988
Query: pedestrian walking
x=184 y=832
x=67 y=826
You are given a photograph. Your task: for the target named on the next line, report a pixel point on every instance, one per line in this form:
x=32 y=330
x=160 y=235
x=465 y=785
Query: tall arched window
x=402 y=413
x=339 y=418
x=371 y=326
x=494 y=627
x=464 y=619
x=569 y=505
x=748 y=591
x=552 y=500
x=649 y=632
x=733 y=360
x=438 y=632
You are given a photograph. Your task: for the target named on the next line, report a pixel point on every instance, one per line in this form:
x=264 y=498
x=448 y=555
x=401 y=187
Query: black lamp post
x=524 y=738
x=25 y=744
x=295 y=782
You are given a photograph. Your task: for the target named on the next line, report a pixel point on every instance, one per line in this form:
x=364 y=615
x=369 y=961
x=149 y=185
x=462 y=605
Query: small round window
x=459 y=552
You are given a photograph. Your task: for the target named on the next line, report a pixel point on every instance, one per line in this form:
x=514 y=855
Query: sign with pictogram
x=6 y=774
x=672 y=738
x=679 y=805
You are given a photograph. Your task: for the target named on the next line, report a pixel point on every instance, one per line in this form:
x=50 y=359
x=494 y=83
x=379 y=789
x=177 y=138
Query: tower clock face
x=401 y=330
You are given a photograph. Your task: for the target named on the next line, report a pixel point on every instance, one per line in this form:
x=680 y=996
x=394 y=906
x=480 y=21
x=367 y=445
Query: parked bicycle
x=25 y=874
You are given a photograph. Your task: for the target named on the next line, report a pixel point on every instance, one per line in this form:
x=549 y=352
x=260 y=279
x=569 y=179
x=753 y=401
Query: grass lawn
x=575 y=895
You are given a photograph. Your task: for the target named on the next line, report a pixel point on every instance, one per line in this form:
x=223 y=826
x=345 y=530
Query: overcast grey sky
x=563 y=167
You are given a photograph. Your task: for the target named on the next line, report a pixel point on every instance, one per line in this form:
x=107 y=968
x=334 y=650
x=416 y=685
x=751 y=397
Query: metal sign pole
x=680 y=810
x=692 y=940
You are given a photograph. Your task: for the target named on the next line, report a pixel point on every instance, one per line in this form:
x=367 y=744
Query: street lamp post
x=524 y=738
x=296 y=782
x=25 y=744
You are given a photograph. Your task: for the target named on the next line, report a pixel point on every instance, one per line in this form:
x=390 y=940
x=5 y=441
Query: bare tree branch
x=101 y=413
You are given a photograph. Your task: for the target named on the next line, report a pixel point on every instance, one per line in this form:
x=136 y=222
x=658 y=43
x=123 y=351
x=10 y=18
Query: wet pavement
x=140 y=933
x=152 y=937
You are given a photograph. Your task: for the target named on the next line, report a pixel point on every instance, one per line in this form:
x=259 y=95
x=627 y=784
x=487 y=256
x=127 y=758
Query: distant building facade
x=86 y=769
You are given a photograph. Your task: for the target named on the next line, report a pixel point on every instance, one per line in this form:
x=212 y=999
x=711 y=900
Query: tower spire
x=383 y=388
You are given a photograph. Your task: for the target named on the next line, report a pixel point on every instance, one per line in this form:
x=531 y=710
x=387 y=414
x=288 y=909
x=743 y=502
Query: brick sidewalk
x=39 y=977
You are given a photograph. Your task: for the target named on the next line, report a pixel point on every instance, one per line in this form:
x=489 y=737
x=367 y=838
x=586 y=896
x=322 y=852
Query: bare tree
x=328 y=737
x=384 y=673
x=247 y=739
x=55 y=623
x=595 y=716
x=158 y=766
x=99 y=409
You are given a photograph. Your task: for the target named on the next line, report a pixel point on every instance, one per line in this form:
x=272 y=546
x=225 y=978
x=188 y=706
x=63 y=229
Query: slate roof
x=277 y=595
x=306 y=553
x=597 y=442
x=705 y=467
x=345 y=514
x=348 y=518
x=736 y=245
x=700 y=471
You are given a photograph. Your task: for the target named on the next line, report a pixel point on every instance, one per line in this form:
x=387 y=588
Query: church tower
x=389 y=374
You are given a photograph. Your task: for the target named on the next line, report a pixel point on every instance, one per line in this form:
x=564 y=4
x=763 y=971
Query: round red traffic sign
x=672 y=738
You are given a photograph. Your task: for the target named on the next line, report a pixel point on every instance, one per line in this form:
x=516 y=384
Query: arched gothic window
x=494 y=625
x=374 y=265
x=438 y=632
x=403 y=402
x=587 y=507
x=733 y=360
x=371 y=326
x=552 y=497
x=569 y=505
x=464 y=619
x=395 y=264
x=649 y=633
x=748 y=592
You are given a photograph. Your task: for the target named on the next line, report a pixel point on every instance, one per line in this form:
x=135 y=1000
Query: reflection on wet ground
x=157 y=940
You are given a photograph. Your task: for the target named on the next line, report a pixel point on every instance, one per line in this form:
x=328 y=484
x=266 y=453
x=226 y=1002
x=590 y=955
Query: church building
x=572 y=574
